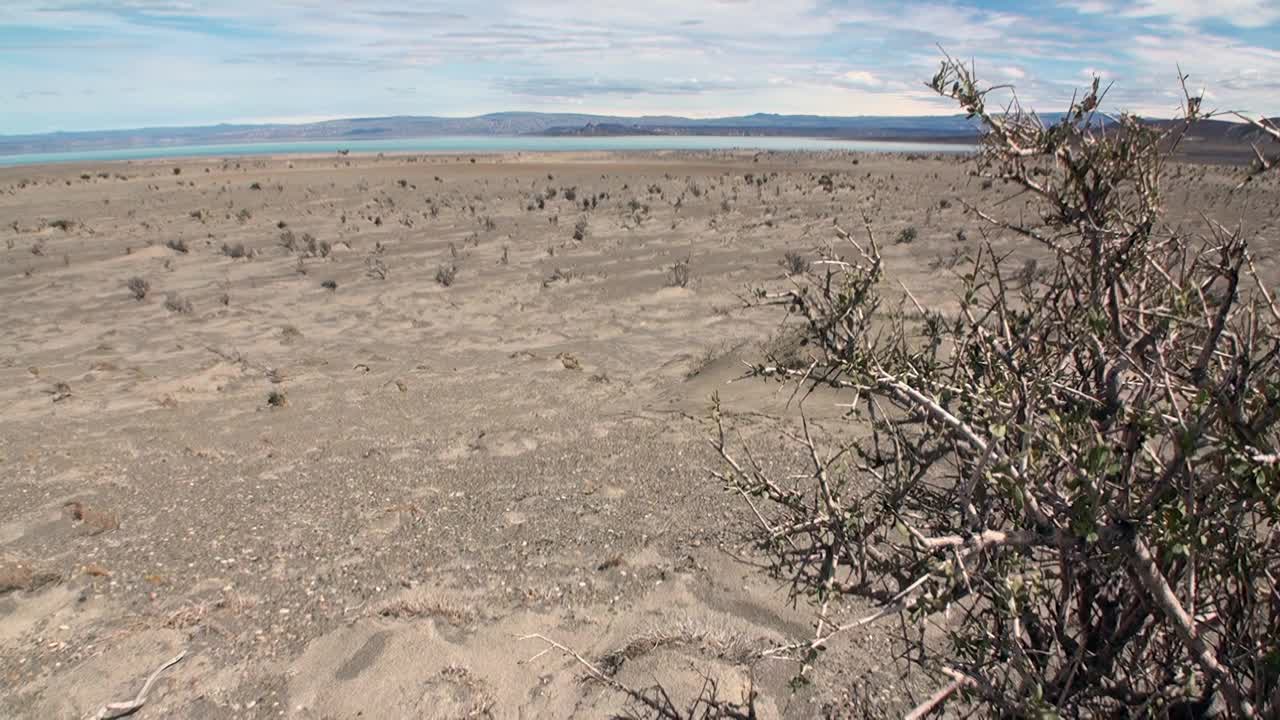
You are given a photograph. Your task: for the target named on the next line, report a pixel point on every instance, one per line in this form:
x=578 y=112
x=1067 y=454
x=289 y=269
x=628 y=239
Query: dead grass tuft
x=717 y=640
x=415 y=608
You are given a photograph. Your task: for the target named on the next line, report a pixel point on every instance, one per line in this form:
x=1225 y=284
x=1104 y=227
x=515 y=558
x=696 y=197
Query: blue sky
x=100 y=64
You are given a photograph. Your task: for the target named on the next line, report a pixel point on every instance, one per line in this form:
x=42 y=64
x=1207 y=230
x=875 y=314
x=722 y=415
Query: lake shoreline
x=489 y=146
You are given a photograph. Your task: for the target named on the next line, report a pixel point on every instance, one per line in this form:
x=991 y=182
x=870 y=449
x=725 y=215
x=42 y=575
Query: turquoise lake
x=487 y=144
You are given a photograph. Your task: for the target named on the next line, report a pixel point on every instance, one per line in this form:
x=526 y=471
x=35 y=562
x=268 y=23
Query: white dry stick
x=128 y=707
x=927 y=707
x=1144 y=563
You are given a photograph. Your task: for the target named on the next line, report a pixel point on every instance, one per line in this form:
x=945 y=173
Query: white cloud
x=1090 y=7
x=862 y=78
x=1240 y=13
x=196 y=61
x=1009 y=72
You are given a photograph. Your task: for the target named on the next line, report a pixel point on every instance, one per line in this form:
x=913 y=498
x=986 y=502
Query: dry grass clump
x=187 y=616
x=414 y=608
x=94 y=519
x=794 y=263
x=376 y=268
x=478 y=702
x=717 y=640
x=15 y=576
x=564 y=275
x=173 y=302
x=678 y=275
x=139 y=287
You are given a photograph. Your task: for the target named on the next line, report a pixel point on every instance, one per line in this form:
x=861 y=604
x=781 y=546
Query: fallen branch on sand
x=128 y=707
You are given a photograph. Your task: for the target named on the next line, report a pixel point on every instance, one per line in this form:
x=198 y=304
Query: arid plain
x=346 y=429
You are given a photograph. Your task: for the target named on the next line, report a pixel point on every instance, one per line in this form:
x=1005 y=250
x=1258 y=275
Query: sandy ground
x=444 y=469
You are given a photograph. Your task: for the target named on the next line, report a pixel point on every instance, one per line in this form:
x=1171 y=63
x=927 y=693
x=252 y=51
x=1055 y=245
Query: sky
x=109 y=64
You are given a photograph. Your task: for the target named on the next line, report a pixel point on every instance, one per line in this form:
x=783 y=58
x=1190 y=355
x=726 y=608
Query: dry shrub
x=795 y=263
x=174 y=302
x=678 y=274
x=1073 y=479
x=139 y=287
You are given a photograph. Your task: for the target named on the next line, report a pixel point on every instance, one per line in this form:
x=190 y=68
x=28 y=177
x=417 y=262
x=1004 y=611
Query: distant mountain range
x=506 y=123
x=944 y=128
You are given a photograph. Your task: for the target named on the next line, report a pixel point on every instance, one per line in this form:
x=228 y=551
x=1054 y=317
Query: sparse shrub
x=678 y=274
x=234 y=251
x=244 y=215
x=174 y=302
x=1029 y=272
x=277 y=399
x=63 y=225
x=60 y=391
x=376 y=268
x=329 y=285
x=447 y=274
x=580 y=229
x=560 y=275
x=949 y=262
x=795 y=263
x=906 y=235
x=288 y=240
x=255 y=186
x=139 y=286
x=178 y=245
